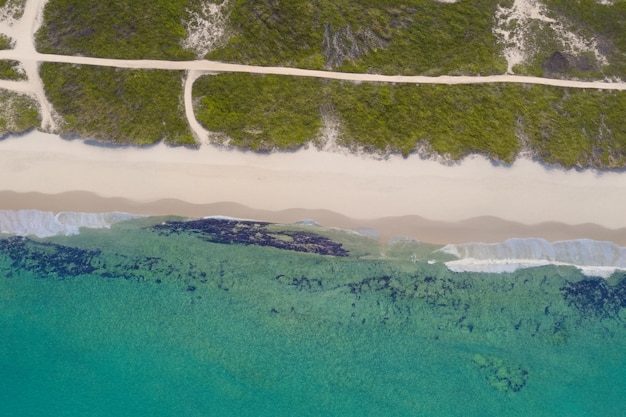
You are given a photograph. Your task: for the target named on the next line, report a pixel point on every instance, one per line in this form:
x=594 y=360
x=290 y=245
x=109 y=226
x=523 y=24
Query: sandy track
x=214 y=66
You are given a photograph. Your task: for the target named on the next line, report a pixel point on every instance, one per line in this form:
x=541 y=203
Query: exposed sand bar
x=351 y=189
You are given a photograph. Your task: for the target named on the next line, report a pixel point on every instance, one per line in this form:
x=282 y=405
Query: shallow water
x=142 y=321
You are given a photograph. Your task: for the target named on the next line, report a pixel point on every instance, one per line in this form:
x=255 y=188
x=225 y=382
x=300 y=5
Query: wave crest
x=39 y=223
x=593 y=258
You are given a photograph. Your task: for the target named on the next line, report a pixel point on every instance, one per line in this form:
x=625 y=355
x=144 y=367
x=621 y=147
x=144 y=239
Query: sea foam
x=46 y=223
x=593 y=258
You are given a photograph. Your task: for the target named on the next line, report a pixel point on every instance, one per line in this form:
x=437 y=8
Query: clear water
x=166 y=325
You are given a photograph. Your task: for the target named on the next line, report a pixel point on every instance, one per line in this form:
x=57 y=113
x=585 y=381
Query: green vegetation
x=115 y=28
x=11 y=70
x=409 y=37
x=123 y=106
x=588 y=19
x=450 y=120
x=606 y=24
x=569 y=127
x=5 y=42
x=18 y=113
x=13 y=8
x=261 y=112
x=382 y=36
x=574 y=127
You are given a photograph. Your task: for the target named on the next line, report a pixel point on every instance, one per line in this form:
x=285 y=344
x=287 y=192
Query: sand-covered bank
x=42 y=171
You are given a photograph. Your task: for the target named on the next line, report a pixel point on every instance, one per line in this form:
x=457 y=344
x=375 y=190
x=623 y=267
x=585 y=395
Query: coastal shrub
x=115 y=28
x=604 y=23
x=11 y=70
x=18 y=113
x=575 y=127
x=451 y=120
x=564 y=126
x=122 y=106
x=407 y=37
x=260 y=112
x=5 y=42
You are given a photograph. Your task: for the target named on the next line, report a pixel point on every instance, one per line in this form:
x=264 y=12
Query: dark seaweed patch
x=595 y=297
x=226 y=231
x=45 y=258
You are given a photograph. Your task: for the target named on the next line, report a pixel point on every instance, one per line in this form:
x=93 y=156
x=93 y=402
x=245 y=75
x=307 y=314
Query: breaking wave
x=46 y=223
x=593 y=258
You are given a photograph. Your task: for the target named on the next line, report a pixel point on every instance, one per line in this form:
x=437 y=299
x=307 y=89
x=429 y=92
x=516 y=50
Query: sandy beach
x=425 y=200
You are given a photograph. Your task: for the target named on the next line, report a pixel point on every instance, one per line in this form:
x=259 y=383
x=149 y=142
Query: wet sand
x=479 y=229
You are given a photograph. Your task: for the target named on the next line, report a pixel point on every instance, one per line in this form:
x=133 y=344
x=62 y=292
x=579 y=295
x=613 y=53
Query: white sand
x=357 y=187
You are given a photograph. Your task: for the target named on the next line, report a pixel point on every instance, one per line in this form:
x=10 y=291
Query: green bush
x=18 y=113
x=392 y=36
x=10 y=70
x=260 y=112
x=5 y=43
x=451 y=120
x=569 y=127
x=115 y=28
x=605 y=24
x=123 y=106
x=573 y=127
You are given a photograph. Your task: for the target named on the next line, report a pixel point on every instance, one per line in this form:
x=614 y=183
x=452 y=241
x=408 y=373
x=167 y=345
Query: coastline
x=424 y=200
x=479 y=229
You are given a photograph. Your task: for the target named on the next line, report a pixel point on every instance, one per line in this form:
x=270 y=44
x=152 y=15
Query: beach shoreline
x=473 y=200
x=480 y=229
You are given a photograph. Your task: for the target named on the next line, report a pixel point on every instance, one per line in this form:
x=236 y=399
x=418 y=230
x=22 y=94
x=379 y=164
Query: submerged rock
x=500 y=375
x=231 y=231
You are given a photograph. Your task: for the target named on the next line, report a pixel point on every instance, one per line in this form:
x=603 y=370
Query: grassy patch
x=11 y=70
x=451 y=120
x=260 y=112
x=569 y=127
x=5 y=42
x=573 y=127
x=18 y=113
x=586 y=19
x=13 y=8
x=606 y=24
x=391 y=36
x=115 y=28
x=123 y=106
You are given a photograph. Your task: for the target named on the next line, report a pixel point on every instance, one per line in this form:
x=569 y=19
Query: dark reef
x=253 y=233
x=45 y=258
x=596 y=297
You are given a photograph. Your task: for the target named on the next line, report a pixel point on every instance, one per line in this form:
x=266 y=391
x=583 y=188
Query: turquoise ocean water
x=224 y=318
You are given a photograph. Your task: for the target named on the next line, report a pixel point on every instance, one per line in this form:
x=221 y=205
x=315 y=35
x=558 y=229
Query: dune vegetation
x=11 y=70
x=120 y=106
x=569 y=127
x=572 y=128
x=115 y=28
x=18 y=113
